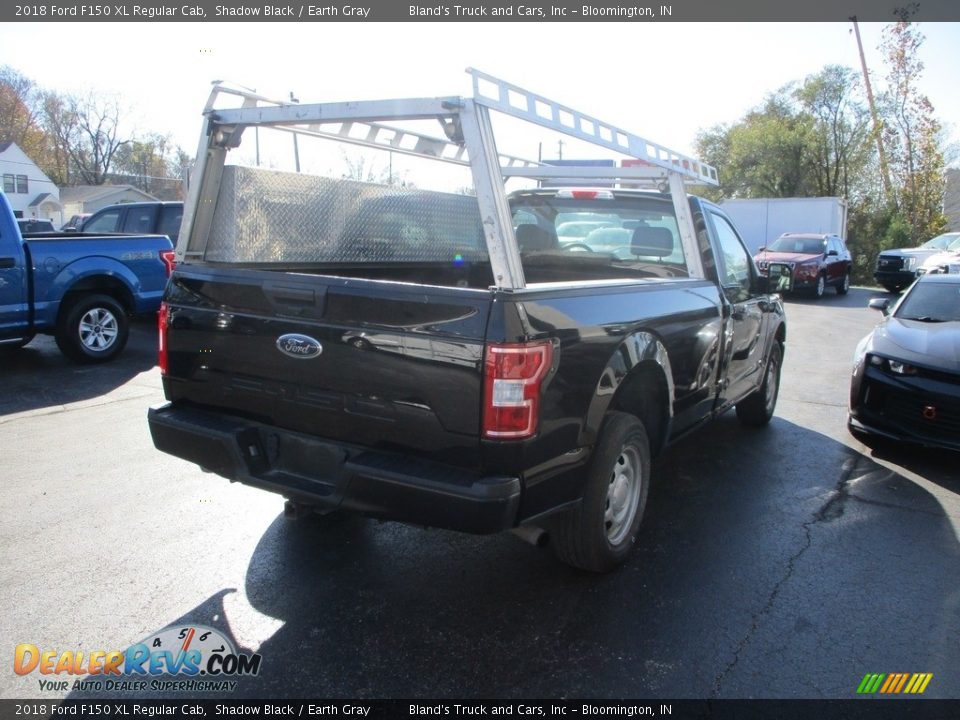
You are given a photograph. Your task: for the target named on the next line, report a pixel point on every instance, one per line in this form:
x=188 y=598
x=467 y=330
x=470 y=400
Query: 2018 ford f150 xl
x=79 y=287
x=441 y=358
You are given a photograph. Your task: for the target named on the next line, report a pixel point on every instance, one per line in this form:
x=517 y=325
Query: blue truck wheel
x=93 y=329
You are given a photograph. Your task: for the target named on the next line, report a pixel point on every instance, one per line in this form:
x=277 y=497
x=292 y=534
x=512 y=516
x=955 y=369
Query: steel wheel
x=626 y=479
x=599 y=532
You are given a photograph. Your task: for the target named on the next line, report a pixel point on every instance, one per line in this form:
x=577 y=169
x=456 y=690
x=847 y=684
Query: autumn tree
x=912 y=135
x=19 y=114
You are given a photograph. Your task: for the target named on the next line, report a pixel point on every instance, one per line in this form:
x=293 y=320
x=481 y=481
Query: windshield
x=943 y=242
x=955 y=245
x=931 y=302
x=799 y=245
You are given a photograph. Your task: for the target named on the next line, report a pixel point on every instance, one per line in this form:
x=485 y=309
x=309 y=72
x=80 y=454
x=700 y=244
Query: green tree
x=839 y=140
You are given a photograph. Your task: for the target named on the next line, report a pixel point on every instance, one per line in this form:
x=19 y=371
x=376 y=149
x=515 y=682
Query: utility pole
x=881 y=153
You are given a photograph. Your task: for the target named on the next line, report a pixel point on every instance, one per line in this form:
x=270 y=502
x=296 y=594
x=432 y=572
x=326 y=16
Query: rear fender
x=638 y=379
x=88 y=275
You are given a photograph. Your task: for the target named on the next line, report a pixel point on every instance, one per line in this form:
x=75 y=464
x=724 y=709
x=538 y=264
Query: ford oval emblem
x=302 y=347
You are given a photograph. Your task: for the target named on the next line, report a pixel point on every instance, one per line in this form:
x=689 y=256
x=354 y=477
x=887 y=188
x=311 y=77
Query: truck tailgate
x=382 y=365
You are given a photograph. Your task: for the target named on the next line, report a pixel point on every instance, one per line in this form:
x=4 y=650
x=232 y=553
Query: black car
x=31 y=225
x=906 y=376
x=141 y=218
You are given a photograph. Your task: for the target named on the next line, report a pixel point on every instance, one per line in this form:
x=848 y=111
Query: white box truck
x=762 y=220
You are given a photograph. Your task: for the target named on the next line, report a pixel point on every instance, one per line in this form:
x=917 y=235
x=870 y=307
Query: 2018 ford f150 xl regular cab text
x=79 y=287
x=438 y=358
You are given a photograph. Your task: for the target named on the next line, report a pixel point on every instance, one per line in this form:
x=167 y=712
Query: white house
x=90 y=198
x=31 y=193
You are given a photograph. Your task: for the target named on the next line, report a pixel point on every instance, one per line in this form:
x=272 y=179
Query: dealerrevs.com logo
x=200 y=657
x=894 y=683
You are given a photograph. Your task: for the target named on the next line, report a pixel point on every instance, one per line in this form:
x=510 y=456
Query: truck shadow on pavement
x=755 y=575
x=39 y=376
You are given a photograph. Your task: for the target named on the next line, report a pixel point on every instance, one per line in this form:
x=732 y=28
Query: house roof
x=44 y=197
x=90 y=193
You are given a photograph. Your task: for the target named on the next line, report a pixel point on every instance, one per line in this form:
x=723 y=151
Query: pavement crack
x=832 y=509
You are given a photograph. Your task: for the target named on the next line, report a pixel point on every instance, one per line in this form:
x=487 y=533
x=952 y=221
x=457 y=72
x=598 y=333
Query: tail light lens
x=169 y=258
x=163 y=320
x=513 y=374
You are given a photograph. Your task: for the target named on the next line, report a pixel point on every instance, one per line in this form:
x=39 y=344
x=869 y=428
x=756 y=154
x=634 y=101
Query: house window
x=8 y=186
x=22 y=184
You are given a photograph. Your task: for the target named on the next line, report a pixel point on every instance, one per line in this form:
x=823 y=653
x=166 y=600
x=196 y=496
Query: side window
x=139 y=220
x=108 y=222
x=170 y=217
x=734 y=266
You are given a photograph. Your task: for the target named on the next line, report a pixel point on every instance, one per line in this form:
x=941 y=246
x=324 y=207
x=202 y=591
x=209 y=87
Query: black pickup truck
x=374 y=353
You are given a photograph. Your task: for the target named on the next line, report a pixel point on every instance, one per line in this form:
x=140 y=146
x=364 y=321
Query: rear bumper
x=334 y=475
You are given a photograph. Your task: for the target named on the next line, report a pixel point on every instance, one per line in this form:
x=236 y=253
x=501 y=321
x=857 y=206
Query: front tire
x=756 y=409
x=93 y=330
x=844 y=287
x=820 y=287
x=598 y=534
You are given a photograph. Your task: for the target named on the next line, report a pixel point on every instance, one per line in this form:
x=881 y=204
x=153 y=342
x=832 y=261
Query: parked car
x=141 y=218
x=947 y=261
x=806 y=261
x=32 y=225
x=79 y=288
x=896 y=269
x=906 y=377
x=75 y=222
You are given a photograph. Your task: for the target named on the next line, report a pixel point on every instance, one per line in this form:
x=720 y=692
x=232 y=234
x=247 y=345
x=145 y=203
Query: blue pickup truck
x=81 y=288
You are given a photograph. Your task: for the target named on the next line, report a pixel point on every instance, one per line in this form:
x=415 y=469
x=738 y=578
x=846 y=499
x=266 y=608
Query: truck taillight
x=513 y=374
x=169 y=258
x=163 y=319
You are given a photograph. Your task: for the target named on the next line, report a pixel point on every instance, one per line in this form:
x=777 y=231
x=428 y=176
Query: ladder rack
x=287 y=116
x=513 y=100
x=467 y=139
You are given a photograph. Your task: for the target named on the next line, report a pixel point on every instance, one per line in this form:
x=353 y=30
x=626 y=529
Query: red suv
x=806 y=261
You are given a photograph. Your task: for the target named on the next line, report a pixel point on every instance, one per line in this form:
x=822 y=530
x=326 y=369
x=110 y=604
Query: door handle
x=7 y=262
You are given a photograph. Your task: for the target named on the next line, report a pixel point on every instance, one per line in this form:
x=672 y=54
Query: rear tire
x=598 y=534
x=756 y=409
x=93 y=330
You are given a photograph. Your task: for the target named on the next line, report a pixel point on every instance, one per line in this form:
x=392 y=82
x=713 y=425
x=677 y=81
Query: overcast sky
x=663 y=81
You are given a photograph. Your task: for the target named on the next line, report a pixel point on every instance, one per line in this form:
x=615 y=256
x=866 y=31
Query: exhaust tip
x=533 y=535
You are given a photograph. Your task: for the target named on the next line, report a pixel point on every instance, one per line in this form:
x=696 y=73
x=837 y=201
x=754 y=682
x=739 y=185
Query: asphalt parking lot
x=786 y=562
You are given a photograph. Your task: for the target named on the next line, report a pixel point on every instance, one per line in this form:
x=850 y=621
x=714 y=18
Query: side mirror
x=881 y=304
x=762 y=248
